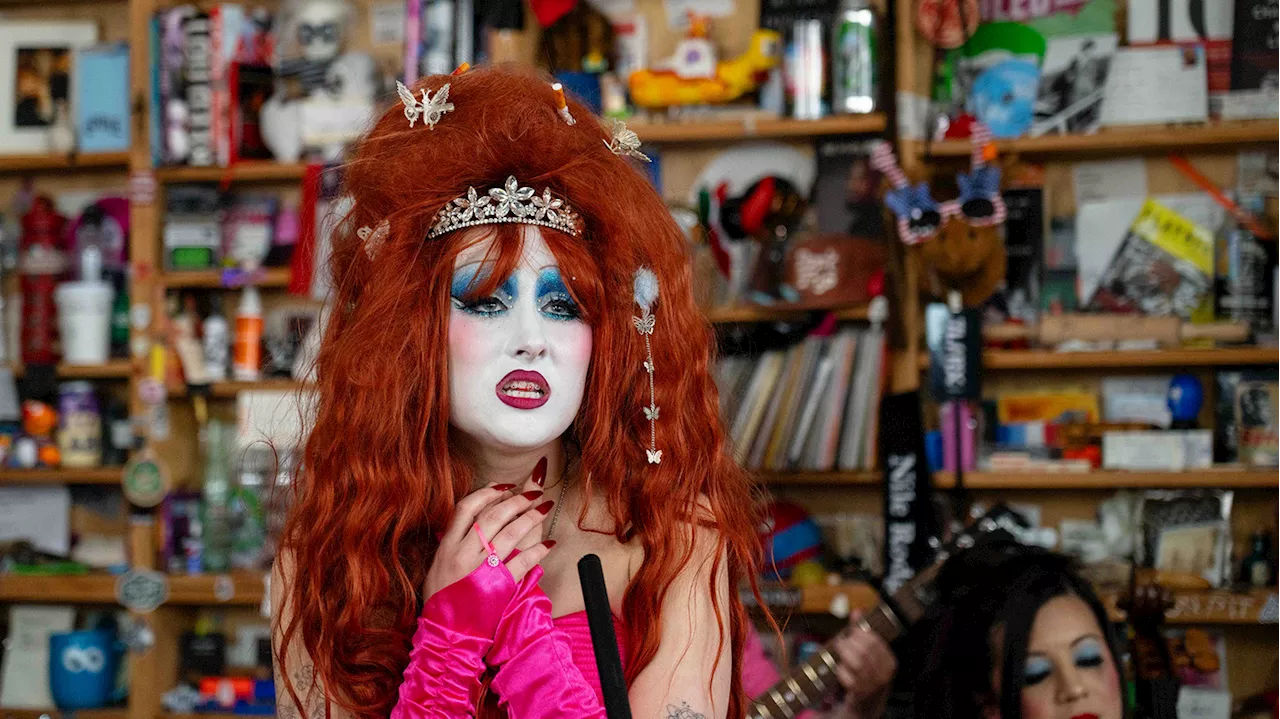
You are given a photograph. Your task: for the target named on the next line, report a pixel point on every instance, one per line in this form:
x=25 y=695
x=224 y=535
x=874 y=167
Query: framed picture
x=1188 y=532
x=36 y=70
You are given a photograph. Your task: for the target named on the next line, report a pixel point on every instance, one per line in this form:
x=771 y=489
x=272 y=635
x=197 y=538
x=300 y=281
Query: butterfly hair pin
x=430 y=109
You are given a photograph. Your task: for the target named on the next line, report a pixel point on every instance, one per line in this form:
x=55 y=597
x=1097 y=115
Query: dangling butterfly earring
x=646 y=293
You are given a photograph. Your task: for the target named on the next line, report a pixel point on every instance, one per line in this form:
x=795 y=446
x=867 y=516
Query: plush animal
x=958 y=244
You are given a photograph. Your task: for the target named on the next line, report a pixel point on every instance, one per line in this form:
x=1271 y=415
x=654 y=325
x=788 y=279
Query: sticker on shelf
x=151 y=391
x=224 y=588
x=142 y=187
x=145 y=480
x=142 y=590
x=140 y=316
x=1270 y=611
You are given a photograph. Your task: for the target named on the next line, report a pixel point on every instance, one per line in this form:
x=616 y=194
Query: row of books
x=211 y=72
x=812 y=407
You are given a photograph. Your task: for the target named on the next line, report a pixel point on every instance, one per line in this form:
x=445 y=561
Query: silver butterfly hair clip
x=624 y=141
x=430 y=109
x=374 y=238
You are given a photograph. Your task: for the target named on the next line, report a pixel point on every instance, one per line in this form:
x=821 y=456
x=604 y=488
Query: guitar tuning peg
x=935 y=543
x=964 y=541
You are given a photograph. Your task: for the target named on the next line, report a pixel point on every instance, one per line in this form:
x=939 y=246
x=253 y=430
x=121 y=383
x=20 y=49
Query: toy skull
x=319 y=29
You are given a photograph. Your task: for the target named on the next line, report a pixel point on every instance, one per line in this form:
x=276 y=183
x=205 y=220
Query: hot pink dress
x=545 y=668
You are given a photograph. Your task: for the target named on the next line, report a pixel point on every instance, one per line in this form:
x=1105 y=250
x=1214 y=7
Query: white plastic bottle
x=217 y=342
x=246 y=360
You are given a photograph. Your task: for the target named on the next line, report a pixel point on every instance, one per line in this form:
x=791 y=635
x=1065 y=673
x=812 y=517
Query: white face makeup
x=518 y=358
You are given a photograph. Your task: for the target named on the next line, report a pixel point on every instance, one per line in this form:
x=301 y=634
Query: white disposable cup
x=84 y=321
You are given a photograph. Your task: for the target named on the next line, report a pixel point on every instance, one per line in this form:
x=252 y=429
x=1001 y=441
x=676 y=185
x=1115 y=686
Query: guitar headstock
x=998 y=522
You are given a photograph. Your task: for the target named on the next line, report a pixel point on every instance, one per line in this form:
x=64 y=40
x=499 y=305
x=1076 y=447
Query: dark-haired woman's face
x=1069 y=672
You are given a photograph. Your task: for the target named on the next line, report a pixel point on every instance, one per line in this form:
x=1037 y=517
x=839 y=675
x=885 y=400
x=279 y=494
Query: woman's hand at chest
x=505 y=521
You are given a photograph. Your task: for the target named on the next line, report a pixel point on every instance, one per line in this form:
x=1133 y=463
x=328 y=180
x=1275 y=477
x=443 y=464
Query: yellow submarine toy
x=691 y=76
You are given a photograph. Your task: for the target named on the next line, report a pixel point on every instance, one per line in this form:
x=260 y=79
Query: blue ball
x=1186 y=396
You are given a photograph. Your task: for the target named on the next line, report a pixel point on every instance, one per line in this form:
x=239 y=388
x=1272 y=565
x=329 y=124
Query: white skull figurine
x=320 y=28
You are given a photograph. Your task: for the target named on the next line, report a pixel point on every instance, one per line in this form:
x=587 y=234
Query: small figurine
x=691 y=76
x=35 y=446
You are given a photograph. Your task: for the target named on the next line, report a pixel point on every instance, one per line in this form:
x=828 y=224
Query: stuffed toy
x=957 y=244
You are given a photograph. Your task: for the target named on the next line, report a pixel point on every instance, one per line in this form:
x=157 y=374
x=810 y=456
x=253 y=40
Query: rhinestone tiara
x=508 y=203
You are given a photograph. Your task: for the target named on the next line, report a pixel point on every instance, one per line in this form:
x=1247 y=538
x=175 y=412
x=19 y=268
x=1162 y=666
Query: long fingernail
x=540 y=472
x=545 y=506
x=549 y=543
x=532 y=494
x=503 y=487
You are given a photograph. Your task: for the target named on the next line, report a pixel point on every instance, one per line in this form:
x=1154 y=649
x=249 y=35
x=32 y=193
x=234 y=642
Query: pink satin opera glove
x=536 y=677
x=456 y=629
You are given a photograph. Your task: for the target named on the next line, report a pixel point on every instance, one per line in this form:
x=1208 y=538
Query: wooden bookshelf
x=1103 y=479
x=58 y=589
x=1146 y=139
x=743 y=314
x=117 y=713
x=104 y=161
x=832 y=479
x=113 y=369
x=1209 y=606
x=811 y=599
x=97 y=475
x=246 y=589
x=1122 y=359
x=215 y=279
x=231 y=389
x=242 y=172
x=753 y=127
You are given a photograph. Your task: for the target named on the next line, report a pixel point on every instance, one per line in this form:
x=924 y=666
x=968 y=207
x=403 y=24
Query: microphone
x=603 y=640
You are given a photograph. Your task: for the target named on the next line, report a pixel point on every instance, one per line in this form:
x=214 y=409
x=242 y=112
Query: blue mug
x=82 y=668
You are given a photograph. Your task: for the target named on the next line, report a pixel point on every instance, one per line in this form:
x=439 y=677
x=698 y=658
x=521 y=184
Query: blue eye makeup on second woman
x=1088 y=654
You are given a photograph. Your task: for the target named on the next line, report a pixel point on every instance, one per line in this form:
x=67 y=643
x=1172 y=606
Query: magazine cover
x=1164 y=267
x=1256 y=407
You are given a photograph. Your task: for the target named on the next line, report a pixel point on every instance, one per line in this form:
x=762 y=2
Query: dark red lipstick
x=523 y=389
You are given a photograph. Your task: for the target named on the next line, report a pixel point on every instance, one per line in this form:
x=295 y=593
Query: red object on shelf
x=42 y=261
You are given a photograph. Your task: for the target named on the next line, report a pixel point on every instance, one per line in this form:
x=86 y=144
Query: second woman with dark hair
x=1018 y=634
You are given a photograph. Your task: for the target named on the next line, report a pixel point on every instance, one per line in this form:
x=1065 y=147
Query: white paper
x=273 y=417
x=1109 y=180
x=24 y=681
x=1255 y=173
x=1149 y=85
x=1144 y=20
x=1101 y=226
x=40 y=515
x=615 y=10
x=386 y=24
x=678 y=10
x=1196 y=703
x=1136 y=399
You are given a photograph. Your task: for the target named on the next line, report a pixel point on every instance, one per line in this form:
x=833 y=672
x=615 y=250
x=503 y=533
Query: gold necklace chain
x=564 y=487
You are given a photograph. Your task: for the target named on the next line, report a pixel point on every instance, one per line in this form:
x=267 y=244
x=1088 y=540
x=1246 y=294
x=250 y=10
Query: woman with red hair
x=502 y=390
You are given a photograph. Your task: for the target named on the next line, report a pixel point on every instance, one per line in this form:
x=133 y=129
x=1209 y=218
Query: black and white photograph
x=1073 y=79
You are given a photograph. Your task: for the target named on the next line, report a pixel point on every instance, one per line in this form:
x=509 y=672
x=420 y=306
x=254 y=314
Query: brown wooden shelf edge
x=745 y=314
x=1122 y=359
x=237 y=589
x=1145 y=139
x=106 y=161
x=1218 y=477
x=111 y=713
x=755 y=127
x=95 y=475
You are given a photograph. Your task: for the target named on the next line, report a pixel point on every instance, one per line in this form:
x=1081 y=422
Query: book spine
x=197 y=58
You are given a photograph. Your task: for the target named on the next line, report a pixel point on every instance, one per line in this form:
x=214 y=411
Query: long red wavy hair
x=379 y=475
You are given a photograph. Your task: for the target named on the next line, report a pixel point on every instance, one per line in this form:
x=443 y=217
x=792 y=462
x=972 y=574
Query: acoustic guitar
x=815 y=678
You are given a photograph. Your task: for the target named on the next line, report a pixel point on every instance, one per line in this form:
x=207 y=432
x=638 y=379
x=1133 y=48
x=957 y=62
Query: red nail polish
x=545 y=506
x=540 y=472
x=503 y=487
x=549 y=543
x=532 y=494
